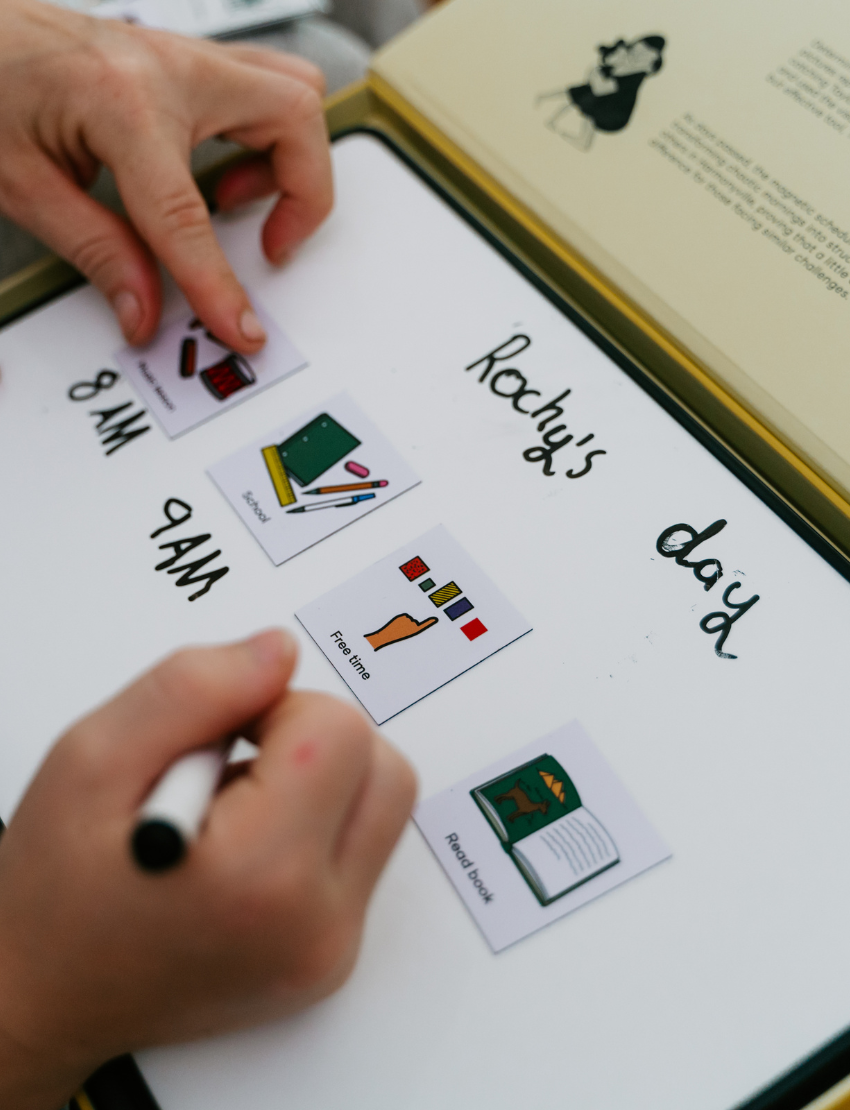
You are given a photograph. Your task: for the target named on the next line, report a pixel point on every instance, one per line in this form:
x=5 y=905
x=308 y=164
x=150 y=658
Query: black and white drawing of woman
x=607 y=99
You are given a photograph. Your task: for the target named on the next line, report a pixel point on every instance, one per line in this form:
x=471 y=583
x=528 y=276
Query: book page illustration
x=538 y=816
x=606 y=100
x=399 y=630
x=538 y=834
x=187 y=376
x=304 y=481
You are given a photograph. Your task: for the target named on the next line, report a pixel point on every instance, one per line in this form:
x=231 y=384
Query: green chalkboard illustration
x=537 y=813
x=312 y=450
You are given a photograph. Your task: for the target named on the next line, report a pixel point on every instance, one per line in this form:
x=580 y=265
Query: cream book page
x=697 y=154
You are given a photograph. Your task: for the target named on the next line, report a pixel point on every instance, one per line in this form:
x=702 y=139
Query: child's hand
x=77 y=92
x=262 y=917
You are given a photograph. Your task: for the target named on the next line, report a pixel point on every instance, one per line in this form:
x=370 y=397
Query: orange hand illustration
x=398 y=628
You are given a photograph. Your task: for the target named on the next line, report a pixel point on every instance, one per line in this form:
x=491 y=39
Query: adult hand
x=261 y=918
x=76 y=92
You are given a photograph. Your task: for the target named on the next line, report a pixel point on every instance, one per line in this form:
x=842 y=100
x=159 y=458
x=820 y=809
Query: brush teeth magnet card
x=538 y=834
x=187 y=376
x=309 y=478
x=411 y=623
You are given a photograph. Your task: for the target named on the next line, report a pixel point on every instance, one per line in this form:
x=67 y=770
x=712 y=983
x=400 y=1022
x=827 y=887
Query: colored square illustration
x=414 y=568
x=544 y=830
x=388 y=644
x=473 y=630
x=458 y=609
x=186 y=376
x=445 y=593
x=327 y=449
x=427 y=585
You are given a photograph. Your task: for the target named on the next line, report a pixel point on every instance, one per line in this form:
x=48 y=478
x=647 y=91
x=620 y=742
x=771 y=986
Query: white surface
x=401 y=673
x=691 y=985
x=183 y=794
x=283 y=534
x=514 y=912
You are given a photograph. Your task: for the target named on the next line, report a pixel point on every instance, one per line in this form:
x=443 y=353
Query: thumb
x=196 y=697
x=99 y=243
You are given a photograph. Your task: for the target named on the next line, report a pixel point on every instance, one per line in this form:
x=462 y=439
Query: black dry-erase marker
x=173 y=814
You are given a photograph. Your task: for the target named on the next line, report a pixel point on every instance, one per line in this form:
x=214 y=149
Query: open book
x=556 y=843
x=693 y=180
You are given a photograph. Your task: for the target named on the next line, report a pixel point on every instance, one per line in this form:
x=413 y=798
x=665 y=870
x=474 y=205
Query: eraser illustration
x=357 y=469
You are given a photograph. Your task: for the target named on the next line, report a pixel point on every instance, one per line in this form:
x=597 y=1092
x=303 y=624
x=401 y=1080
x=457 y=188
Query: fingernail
x=283 y=255
x=128 y=309
x=250 y=326
x=270 y=646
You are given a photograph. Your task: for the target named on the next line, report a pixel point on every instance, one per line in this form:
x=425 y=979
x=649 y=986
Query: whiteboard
x=692 y=984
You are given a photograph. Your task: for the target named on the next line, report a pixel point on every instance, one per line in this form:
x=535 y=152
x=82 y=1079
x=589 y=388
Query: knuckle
x=342 y=724
x=125 y=76
x=348 y=729
x=323 y=202
x=297 y=890
x=406 y=784
x=305 y=105
x=82 y=750
x=182 y=212
x=187 y=676
x=349 y=720
x=314 y=77
x=15 y=189
x=93 y=255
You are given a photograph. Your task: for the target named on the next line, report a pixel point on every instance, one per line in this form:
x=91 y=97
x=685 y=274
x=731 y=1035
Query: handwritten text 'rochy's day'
x=509 y=383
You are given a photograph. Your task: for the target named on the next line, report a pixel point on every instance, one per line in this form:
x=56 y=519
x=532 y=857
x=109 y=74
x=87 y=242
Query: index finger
x=315 y=757
x=169 y=213
x=292 y=128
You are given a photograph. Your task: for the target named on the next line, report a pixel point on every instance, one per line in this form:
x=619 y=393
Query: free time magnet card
x=307 y=479
x=538 y=834
x=411 y=623
x=186 y=376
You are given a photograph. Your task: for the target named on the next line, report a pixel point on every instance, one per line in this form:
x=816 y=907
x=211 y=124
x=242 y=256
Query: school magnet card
x=411 y=623
x=538 y=834
x=307 y=479
x=186 y=376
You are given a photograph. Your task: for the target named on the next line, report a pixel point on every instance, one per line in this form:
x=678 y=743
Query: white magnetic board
x=691 y=985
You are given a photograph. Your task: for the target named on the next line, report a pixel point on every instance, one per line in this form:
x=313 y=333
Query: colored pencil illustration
x=333 y=504
x=348 y=487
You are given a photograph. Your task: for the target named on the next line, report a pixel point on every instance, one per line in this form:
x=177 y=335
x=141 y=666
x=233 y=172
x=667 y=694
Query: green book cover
x=536 y=812
x=527 y=799
x=315 y=448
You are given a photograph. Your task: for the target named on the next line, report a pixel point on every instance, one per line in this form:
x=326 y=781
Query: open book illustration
x=556 y=843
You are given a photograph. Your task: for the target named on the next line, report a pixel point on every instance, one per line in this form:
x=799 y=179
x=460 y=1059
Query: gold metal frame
x=376 y=105
x=838 y=1098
